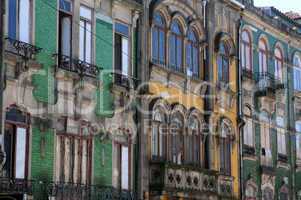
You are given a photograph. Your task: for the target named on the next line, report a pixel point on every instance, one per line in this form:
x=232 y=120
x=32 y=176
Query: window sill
x=282 y=158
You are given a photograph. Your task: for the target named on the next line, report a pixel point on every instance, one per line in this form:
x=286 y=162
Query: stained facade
x=153 y=99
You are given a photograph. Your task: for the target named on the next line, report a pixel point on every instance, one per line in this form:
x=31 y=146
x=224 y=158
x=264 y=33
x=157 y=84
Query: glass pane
x=155 y=140
x=248 y=57
x=189 y=59
x=220 y=68
x=175 y=27
x=124 y=167
x=162 y=46
x=172 y=56
x=20 y=153
x=158 y=20
x=85 y=12
x=155 y=47
x=195 y=62
x=88 y=43
x=66 y=5
x=122 y=29
x=82 y=40
x=12 y=19
x=179 y=54
x=125 y=56
x=24 y=21
x=66 y=36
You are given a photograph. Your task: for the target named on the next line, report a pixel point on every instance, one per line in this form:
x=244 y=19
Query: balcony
x=125 y=81
x=61 y=191
x=187 y=179
x=77 y=66
x=267 y=84
x=24 y=50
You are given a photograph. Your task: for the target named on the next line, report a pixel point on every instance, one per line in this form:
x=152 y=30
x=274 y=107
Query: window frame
x=17 y=21
x=119 y=146
x=223 y=58
x=225 y=146
x=176 y=134
x=194 y=45
x=297 y=69
x=177 y=37
x=263 y=53
x=193 y=142
x=244 y=53
x=86 y=21
x=278 y=66
x=156 y=28
x=80 y=137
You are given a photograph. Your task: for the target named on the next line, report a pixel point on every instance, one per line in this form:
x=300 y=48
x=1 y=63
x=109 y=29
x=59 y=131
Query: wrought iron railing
x=268 y=81
x=22 y=49
x=126 y=81
x=78 y=66
x=42 y=190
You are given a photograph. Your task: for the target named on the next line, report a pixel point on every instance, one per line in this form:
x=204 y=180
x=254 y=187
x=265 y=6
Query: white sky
x=283 y=5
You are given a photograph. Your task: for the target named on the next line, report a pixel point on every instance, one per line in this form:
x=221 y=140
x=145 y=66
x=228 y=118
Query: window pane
x=172 y=56
x=243 y=55
x=88 y=43
x=82 y=40
x=248 y=58
x=155 y=47
x=179 y=54
x=189 y=59
x=85 y=12
x=66 y=5
x=24 y=21
x=12 y=19
x=155 y=140
x=84 y=162
x=20 y=153
x=195 y=62
x=124 y=168
x=125 y=56
x=66 y=36
x=122 y=29
x=162 y=46
x=220 y=67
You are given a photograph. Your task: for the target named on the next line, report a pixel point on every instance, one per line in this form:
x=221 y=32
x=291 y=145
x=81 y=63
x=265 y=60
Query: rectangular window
x=85 y=34
x=19 y=20
x=65 y=28
x=122 y=54
x=298 y=146
x=248 y=133
x=266 y=153
x=16 y=142
x=74 y=155
x=281 y=142
x=124 y=166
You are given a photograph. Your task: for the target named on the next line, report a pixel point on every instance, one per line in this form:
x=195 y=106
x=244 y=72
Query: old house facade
x=66 y=131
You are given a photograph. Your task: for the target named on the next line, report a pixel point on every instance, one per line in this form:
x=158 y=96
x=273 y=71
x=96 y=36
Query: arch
x=227 y=39
x=226 y=127
x=267 y=193
x=225 y=130
x=284 y=193
x=199 y=29
x=179 y=17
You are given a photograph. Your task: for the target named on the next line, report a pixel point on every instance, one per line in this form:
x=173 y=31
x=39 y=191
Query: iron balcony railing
x=125 y=81
x=268 y=81
x=22 y=49
x=78 y=66
x=41 y=190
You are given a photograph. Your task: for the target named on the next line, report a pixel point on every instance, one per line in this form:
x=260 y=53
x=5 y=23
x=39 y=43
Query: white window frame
x=86 y=40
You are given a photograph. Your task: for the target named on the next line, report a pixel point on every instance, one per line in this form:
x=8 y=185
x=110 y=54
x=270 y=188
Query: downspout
x=240 y=119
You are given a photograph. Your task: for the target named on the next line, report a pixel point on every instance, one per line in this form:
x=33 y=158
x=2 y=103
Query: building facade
x=68 y=73
x=269 y=71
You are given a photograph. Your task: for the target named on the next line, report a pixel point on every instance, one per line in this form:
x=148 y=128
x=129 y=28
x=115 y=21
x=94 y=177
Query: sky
x=283 y=5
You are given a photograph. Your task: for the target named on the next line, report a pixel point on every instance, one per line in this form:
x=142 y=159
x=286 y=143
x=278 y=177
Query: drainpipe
x=2 y=12
x=240 y=119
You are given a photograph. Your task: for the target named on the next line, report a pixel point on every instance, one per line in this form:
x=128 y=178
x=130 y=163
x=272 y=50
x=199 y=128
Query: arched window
x=223 y=62
x=263 y=56
x=193 y=141
x=225 y=148
x=192 y=54
x=246 y=51
x=176 y=46
x=278 y=63
x=267 y=193
x=158 y=133
x=158 y=39
x=297 y=72
x=176 y=138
